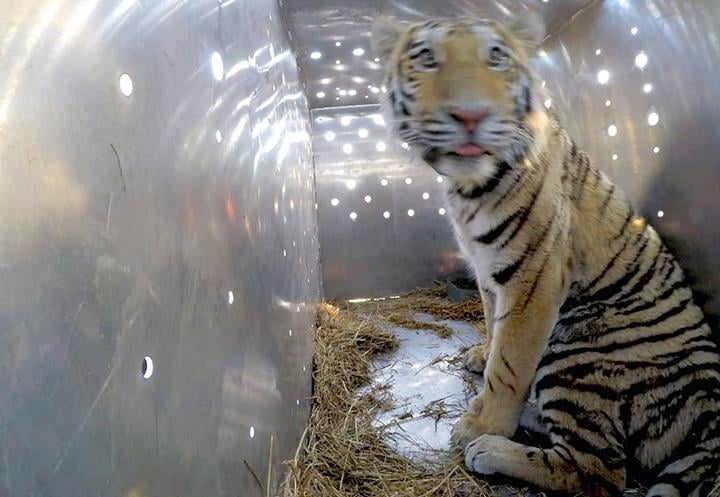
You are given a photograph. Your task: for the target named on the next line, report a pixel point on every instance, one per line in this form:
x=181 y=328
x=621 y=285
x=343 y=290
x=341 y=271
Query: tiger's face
x=461 y=93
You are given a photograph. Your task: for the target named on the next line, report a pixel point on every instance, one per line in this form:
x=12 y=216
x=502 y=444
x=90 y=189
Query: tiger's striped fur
x=588 y=313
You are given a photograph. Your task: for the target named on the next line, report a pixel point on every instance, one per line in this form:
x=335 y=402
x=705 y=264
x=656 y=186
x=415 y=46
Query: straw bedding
x=341 y=453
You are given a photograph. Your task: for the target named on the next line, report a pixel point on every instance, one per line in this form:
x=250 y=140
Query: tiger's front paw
x=481 y=453
x=468 y=428
x=485 y=416
x=475 y=358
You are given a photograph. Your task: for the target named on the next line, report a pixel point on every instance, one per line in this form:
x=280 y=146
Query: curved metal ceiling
x=332 y=38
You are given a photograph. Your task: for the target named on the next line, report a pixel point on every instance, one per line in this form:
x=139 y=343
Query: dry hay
x=401 y=310
x=342 y=454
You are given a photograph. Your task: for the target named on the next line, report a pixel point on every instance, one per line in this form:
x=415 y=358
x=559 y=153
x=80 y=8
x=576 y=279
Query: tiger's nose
x=469 y=118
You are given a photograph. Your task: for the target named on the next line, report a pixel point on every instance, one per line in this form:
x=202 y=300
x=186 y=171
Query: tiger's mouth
x=470 y=149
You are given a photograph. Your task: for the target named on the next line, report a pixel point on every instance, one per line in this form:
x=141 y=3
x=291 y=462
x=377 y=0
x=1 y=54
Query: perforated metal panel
x=636 y=84
x=399 y=240
x=383 y=225
x=158 y=248
x=659 y=57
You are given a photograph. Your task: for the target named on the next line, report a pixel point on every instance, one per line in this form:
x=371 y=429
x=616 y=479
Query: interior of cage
x=223 y=276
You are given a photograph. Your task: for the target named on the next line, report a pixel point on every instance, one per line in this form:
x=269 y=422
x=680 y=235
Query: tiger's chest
x=509 y=217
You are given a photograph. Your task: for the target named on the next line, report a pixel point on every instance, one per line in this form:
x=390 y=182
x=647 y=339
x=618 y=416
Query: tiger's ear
x=529 y=27
x=385 y=33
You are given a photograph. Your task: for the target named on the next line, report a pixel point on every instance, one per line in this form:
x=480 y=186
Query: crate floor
x=427 y=386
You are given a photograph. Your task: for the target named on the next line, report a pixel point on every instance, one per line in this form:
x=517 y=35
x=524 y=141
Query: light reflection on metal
x=140 y=223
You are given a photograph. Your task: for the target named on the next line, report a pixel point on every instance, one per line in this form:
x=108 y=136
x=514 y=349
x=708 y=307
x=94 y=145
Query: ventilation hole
x=216 y=64
x=147 y=369
x=126 y=84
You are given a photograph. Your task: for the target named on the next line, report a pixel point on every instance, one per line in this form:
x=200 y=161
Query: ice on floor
x=427 y=385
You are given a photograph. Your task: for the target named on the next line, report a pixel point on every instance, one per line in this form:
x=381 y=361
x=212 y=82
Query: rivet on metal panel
x=411 y=212
x=425 y=195
x=351 y=184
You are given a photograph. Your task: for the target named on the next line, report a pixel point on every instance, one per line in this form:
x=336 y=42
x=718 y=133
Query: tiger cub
x=588 y=313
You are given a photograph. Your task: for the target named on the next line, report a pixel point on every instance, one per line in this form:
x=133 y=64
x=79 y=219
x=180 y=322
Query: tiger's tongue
x=469 y=150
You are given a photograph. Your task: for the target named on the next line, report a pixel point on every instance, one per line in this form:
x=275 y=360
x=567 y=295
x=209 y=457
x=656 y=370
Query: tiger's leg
x=476 y=357
x=557 y=469
x=694 y=472
x=691 y=476
x=526 y=312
